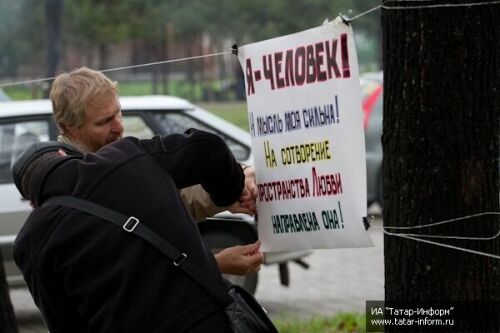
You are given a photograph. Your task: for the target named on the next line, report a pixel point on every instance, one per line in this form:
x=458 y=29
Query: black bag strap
x=132 y=225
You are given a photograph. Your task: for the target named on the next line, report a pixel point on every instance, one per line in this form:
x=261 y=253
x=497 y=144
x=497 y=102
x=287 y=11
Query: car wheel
x=217 y=241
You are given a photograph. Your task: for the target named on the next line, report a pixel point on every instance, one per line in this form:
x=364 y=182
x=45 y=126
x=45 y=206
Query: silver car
x=3 y=96
x=25 y=122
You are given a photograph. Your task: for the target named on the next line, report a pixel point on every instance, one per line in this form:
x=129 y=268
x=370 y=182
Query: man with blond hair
x=87 y=111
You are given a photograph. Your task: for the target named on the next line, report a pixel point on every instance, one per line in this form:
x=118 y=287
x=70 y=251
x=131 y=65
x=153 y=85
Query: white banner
x=304 y=111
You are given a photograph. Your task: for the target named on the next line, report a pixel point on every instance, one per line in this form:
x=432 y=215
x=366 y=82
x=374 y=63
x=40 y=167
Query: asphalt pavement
x=338 y=280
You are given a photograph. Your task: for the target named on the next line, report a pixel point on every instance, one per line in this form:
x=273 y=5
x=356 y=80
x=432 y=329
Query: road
x=338 y=280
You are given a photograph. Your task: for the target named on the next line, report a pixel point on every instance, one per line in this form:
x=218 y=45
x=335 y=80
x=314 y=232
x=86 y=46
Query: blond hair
x=72 y=92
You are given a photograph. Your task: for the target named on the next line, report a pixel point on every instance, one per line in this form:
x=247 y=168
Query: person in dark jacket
x=87 y=111
x=86 y=275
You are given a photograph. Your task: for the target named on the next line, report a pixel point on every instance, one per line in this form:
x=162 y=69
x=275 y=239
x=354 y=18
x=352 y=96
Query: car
x=372 y=102
x=3 y=96
x=25 y=122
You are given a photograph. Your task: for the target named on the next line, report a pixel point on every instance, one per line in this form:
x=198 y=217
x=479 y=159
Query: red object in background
x=368 y=103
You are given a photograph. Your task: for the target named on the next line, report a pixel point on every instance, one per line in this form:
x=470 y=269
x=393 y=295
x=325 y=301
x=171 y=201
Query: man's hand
x=246 y=202
x=240 y=260
x=250 y=183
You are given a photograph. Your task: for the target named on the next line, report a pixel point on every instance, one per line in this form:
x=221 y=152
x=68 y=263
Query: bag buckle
x=180 y=260
x=130 y=224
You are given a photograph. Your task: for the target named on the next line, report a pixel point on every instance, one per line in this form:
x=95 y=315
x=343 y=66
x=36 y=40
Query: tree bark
x=53 y=14
x=103 y=52
x=441 y=149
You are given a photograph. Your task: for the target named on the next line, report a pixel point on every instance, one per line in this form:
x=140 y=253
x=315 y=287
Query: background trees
x=90 y=28
x=441 y=148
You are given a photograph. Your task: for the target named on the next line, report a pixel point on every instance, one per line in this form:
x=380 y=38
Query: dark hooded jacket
x=87 y=275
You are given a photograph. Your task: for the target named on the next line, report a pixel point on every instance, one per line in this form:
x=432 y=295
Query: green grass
x=340 y=323
x=235 y=112
x=176 y=88
x=135 y=88
x=24 y=93
x=181 y=88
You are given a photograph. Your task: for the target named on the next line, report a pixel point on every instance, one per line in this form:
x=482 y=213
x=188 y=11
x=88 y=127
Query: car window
x=179 y=123
x=136 y=127
x=14 y=138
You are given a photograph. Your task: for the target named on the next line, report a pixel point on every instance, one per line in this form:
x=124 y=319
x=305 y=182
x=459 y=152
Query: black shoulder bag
x=245 y=314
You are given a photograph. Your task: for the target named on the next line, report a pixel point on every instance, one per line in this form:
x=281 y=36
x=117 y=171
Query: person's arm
x=198 y=203
x=237 y=260
x=200 y=206
x=199 y=157
x=241 y=259
x=247 y=200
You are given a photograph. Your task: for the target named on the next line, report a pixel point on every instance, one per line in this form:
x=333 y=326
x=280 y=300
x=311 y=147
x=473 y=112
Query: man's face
x=102 y=125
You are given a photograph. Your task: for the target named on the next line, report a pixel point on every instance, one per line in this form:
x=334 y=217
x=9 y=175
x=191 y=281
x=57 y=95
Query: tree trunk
x=53 y=14
x=8 y=322
x=441 y=149
x=103 y=55
x=155 y=71
x=192 y=68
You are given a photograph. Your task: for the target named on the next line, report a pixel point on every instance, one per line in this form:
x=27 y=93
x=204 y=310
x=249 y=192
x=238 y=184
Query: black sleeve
x=199 y=157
